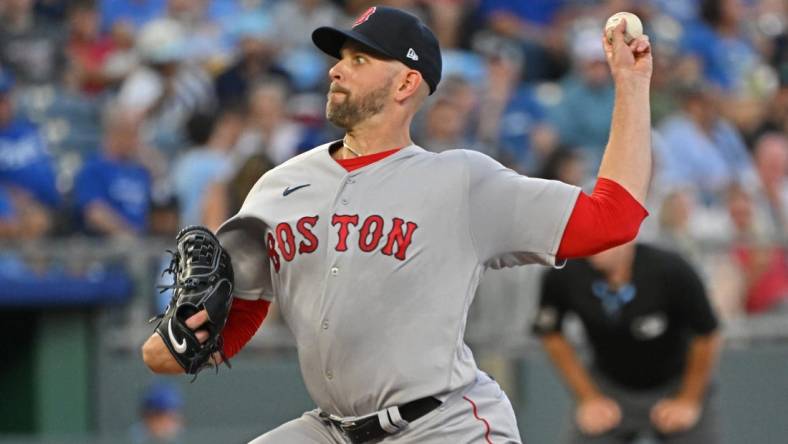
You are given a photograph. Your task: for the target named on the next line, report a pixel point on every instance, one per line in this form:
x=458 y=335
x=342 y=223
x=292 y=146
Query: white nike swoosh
x=180 y=347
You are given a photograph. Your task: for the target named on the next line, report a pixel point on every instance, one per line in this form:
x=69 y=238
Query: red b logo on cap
x=364 y=17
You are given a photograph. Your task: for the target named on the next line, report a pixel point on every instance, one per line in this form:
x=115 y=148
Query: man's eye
x=359 y=59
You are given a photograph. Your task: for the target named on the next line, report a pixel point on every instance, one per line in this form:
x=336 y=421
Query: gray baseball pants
x=478 y=413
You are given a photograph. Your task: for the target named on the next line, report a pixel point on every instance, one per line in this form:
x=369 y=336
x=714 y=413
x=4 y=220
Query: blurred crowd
x=131 y=118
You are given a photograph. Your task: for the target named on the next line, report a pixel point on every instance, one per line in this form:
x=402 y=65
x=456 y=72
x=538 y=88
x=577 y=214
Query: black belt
x=369 y=428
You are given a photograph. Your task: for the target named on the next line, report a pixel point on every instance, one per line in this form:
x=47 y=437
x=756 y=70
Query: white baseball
x=634 y=26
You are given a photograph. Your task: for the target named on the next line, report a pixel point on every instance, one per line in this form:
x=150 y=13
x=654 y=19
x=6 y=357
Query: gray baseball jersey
x=374 y=270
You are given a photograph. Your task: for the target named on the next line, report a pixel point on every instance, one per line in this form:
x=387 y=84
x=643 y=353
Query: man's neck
x=363 y=141
x=620 y=274
x=619 y=277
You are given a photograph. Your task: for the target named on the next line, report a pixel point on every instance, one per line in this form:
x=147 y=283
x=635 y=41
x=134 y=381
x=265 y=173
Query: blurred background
x=123 y=120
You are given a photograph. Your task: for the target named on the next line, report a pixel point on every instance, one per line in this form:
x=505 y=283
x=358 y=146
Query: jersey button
x=325 y=325
x=329 y=374
x=351 y=181
x=344 y=201
x=334 y=271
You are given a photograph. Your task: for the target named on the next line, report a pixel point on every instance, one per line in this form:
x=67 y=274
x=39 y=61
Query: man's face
x=255 y=48
x=771 y=158
x=85 y=23
x=163 y=425
x=361 y=87
x=122 y=136
x=445 y=121
x=609 y=260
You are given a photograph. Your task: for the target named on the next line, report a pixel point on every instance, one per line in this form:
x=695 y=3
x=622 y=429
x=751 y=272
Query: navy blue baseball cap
x=392 y=33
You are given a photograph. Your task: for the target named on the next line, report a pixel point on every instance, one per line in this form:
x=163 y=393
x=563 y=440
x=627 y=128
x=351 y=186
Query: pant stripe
x=476 y=414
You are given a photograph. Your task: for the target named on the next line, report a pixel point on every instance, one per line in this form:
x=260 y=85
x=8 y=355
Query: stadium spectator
x=269 y=129
x=775 y=110
x=27 y=170
x=29 y=47
x=566 y=165
x=269 y=135
x=224 y=197
x=771 y=163
x=167 y=89
x=269 y=138
x=88 y=51
x=760 y=216
x=537 y=25
x=510 y=115
x=761 y=264
x=112 y=191
x=207 y=43
x=588 y=87
x=124 y=58
x=464 y=96
x=161 y=419
x=701 y=149
x=719 y=41
x=445 y=127
x=675 y=230
x=671 y=69
x=207 y=161
x=258 y=46
x=654 y=342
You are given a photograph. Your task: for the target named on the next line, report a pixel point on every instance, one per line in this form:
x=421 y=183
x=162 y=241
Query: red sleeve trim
x=243 y=321
x=610 y=216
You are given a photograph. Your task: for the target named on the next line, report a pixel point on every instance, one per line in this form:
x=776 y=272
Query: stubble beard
x=348 y=114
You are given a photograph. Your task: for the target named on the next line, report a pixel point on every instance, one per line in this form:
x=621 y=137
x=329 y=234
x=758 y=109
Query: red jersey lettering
x=369 y=238
x=272 y=254
x=343 y=220
x=402 y=240
x=310 y=242
x=286 y=238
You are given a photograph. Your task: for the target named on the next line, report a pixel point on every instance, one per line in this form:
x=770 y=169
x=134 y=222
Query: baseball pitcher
x=373 y=247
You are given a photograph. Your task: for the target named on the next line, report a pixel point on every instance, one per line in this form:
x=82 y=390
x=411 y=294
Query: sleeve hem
x=555 y=261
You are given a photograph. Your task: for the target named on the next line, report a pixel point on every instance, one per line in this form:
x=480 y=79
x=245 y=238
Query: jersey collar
x=403 y=153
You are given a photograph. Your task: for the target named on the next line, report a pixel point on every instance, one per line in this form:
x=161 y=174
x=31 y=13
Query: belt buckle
x=347 y=424
x=344 y=424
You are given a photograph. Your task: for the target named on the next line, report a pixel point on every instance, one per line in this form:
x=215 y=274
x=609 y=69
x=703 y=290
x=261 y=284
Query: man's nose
x=336 y=71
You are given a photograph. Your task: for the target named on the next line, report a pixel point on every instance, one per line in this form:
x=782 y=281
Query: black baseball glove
x=202 y=279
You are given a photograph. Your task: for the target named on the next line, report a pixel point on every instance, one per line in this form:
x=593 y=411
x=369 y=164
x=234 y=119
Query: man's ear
x=409 y=85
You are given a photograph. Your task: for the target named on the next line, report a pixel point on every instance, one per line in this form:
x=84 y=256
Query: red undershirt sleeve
x=244 y=319
x=610 y=216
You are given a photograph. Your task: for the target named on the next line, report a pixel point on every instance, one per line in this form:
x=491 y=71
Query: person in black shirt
x=654 y=343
